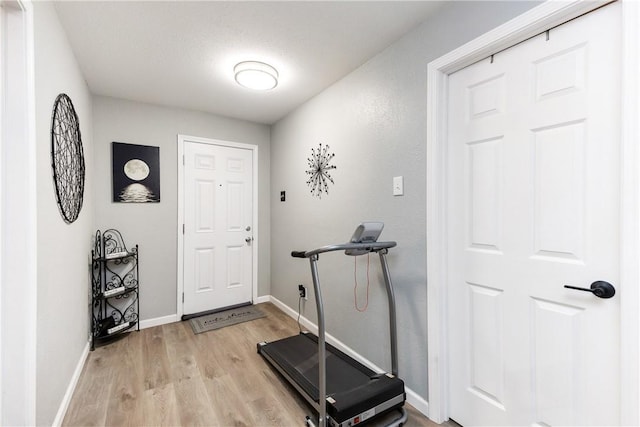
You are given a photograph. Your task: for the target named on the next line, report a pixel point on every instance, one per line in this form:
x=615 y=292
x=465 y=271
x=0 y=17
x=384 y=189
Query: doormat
x=225 y=318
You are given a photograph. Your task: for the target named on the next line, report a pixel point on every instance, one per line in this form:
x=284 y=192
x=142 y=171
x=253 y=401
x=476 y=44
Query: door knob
x=248 y=240
x=601 y=289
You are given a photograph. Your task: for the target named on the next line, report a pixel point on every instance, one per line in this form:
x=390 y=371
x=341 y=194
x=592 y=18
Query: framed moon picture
x=136 y=173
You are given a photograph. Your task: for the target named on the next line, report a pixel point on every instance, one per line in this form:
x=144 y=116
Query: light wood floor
x=166 y=375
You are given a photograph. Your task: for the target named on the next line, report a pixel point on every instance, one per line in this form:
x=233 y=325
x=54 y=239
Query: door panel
x=487 y=342
x=205 y=200
x=218 y=218
x=485 y=198
x=559 y=189
x=533 y=160
x=205 y=259
x=557 y=360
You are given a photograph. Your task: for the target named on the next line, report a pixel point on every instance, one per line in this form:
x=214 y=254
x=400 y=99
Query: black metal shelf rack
x=115 y=296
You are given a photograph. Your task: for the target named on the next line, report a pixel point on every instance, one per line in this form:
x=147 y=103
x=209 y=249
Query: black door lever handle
x=601 y=289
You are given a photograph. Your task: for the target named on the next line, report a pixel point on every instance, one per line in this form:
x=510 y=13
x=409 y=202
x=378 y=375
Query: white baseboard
x=260 y=300
x=413 y=398
x=64 y=405
x=149 y=323
x=417 y=402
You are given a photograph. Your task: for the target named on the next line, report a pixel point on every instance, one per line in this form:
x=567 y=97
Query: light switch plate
x=398 y=186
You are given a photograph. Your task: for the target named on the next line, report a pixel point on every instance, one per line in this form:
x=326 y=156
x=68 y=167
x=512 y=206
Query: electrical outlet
x=302 y=291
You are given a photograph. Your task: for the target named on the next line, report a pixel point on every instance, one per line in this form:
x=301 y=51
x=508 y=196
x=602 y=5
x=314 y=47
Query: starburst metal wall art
x=67 y=158
x=318 y=172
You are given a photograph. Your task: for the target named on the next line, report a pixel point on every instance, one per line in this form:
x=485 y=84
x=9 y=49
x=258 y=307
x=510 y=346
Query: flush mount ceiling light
x=256 y=75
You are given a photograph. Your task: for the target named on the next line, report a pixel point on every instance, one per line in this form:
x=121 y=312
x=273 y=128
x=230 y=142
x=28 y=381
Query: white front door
x=218 y=235
x=534 y=204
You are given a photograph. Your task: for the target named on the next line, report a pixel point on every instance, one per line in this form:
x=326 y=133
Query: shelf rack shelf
x=115 y=297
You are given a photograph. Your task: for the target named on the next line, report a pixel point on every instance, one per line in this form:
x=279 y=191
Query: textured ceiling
x=181 y=54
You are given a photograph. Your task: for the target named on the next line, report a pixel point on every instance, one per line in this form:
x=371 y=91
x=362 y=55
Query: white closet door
x=534 y=189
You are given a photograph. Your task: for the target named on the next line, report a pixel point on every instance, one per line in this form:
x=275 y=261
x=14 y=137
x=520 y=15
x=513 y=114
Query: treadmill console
x=366 y=232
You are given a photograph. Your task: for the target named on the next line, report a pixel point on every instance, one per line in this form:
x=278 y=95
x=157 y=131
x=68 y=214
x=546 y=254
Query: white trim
x=19 y=248
x=630 y=211
x=534 y=21
x=179 y=226
x=260 y=300
x=158 y=321
x=522 y=27
x=412 y=397
x=254 y=149
x=417 y=401
x=66 y=400
x=3 y=83
x=31 y=279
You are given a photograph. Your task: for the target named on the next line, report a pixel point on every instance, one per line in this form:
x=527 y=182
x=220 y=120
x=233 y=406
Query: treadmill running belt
x=355 y=387
x=298 y=356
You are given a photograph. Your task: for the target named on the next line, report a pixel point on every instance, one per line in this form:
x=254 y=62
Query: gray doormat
x=225 y=318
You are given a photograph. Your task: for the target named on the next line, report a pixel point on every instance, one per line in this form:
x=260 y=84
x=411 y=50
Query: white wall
x=374 y=119
x=153 y=226
x=63 y=249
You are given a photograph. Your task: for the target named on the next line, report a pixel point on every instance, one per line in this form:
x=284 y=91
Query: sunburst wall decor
x=319 y=167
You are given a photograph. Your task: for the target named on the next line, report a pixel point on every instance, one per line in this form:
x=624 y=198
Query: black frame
x=67 y=158
x=141 y=182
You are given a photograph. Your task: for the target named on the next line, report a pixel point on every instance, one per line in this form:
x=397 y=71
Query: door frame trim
x=533 y=22
x=182 y=139
x=18 y=255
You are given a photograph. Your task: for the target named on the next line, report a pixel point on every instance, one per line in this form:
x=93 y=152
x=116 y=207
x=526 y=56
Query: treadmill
x=342 y=390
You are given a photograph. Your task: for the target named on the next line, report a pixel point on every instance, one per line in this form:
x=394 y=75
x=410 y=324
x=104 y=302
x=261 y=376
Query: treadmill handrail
x=367 y=246
x=381 y=248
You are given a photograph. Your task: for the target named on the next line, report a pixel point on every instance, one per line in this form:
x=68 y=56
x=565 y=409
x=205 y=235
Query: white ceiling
x=182 y=54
